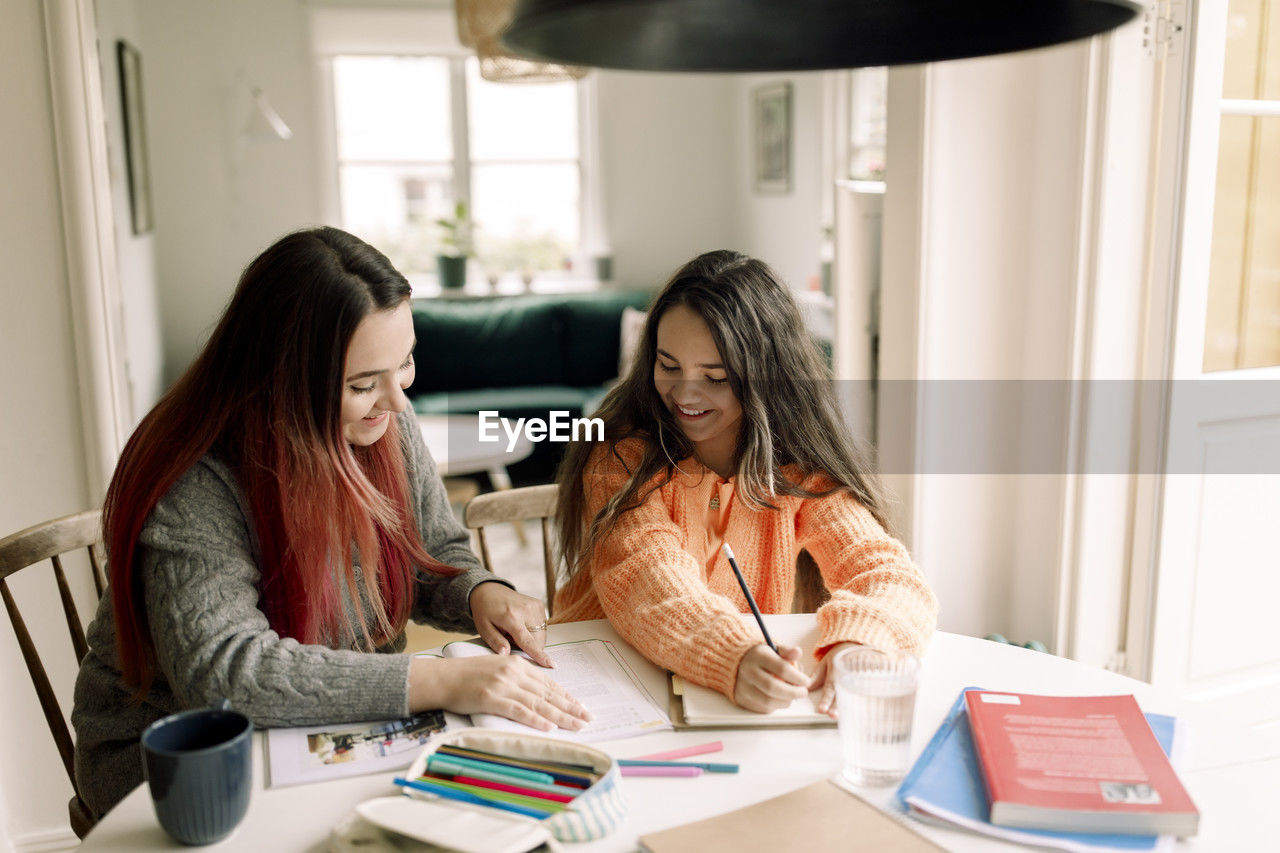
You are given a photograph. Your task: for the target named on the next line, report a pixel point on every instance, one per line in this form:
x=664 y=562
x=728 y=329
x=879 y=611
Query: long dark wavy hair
x=789 y=410
x=265 y=396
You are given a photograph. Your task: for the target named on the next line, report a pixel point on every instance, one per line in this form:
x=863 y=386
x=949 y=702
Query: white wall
x=219 y=199
x=669 y=186
x=42 y=459
x=782 y=229
x=1001 y=211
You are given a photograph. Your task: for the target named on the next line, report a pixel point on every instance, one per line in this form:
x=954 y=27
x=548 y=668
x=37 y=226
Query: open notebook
x=693 y=706
x=597 y=676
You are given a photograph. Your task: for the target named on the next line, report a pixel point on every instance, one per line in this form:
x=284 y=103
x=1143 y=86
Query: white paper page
x=596 y=676
x=702 y=705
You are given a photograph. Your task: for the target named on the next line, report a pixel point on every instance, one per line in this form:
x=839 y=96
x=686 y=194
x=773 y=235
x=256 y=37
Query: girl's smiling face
x=379 y=367
x=693 y=382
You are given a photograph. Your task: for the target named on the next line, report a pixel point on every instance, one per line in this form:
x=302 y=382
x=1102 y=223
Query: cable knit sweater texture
x=199 y=564
x=680 y=615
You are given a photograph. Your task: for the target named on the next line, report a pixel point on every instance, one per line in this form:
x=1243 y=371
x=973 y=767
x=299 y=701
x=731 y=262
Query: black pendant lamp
x=796 y=35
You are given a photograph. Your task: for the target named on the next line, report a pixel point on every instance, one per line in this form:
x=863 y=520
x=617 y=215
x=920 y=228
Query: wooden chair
x=48 y=541
x=539 y=502
x=516 y=505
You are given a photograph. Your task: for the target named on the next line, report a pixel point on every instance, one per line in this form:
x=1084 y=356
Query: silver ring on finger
x=533 y=629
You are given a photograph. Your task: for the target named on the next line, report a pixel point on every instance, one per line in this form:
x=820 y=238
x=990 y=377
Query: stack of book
x=1075 y=773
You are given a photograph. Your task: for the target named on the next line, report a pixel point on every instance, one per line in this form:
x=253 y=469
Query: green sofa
x=522 y=356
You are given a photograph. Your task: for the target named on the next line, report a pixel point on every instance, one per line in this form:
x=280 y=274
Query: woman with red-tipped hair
x=275 y=521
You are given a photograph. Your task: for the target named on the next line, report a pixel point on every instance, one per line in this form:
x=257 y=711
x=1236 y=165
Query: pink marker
x=661 y=771
x=683 y=752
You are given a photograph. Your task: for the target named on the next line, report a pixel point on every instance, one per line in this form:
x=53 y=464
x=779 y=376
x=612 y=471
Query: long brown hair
x=789 y=410
x=264 y=396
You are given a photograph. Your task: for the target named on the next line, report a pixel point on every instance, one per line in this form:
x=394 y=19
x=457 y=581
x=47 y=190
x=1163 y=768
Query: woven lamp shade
x=480 y=24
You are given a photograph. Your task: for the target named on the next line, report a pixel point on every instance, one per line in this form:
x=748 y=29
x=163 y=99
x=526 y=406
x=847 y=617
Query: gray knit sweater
x=199 y=562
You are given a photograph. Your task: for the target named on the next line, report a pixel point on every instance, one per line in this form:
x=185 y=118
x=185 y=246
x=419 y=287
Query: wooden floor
x=422 y=637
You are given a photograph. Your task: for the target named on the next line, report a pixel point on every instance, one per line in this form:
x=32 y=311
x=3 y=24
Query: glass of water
x=875 y=701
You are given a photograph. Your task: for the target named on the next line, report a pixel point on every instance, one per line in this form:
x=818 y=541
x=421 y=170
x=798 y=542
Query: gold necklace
x=715 y=501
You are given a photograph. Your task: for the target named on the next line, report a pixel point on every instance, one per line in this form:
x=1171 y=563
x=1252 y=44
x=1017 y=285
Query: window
x=416 y=133
x=1243 y=325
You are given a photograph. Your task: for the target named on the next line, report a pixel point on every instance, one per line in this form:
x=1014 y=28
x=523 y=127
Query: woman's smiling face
x=379 y=367
x=693 y=382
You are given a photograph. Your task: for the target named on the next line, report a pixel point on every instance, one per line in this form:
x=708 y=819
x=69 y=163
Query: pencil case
x=593 y=814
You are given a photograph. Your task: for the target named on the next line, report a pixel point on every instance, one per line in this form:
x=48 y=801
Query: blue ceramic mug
x=200 y=769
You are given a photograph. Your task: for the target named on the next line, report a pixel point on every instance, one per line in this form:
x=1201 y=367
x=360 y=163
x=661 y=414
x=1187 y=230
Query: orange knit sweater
x=682 y=616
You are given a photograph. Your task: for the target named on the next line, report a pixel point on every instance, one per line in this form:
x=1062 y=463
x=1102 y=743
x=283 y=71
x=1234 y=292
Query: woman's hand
x=507 y=685
x=768 y=681
x=504 y=616
x=823 y=678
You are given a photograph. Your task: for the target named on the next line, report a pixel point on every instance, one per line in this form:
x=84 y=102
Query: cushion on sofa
x=592 y=334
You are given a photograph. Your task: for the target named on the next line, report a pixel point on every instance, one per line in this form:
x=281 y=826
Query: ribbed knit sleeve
x=878 y=596
x=653 y=590
x=212 y=640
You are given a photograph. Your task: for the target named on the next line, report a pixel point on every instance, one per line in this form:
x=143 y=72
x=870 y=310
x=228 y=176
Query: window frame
x=592 y=234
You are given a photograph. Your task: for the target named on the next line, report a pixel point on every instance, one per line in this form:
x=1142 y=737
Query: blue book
x=945 y=784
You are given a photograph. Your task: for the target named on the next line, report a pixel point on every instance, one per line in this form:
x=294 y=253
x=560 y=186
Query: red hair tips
x=264 y=398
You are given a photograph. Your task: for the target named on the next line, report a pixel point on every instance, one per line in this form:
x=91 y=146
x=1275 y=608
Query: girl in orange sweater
x=726 y=429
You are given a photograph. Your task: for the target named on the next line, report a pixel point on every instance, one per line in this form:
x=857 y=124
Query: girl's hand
x=822 y=678
x=504 y=616
x=507 y=685
x=768 y=681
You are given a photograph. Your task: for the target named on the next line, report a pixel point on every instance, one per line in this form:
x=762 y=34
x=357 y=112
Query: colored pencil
x=702 y=765
x=451 y=770
x=652 y=770
x=544 y=764
x=500 y=796
x=683 y=752
x=467 y=797
x=464 y=764
x=733 y=564
x=514 y=789
x=565 y=777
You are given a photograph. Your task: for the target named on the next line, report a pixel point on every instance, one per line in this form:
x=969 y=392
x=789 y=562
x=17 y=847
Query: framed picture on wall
x=135 y=137
x=771 y=114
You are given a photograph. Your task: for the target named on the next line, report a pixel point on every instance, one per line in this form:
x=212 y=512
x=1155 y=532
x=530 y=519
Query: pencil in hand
x=728 y=552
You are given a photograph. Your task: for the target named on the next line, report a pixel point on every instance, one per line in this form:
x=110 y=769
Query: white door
x=1205 y=614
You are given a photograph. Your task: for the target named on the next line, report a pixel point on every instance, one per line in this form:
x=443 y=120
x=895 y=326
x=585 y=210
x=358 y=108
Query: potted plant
x=455 y=247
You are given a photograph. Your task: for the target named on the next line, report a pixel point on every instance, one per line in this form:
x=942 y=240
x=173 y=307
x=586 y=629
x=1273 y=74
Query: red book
x=1076 y=764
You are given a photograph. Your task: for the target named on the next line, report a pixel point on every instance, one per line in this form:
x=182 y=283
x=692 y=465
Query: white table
x=454 y=442
x=1231 y=773
x=455 y=445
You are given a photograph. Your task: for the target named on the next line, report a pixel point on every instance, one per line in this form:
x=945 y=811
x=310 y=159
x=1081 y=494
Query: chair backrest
x=530 y=502
x=510 y=505
x=49 y=541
